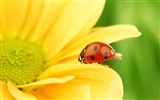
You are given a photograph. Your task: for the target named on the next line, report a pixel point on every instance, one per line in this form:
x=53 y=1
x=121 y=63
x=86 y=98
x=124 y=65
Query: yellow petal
x=13 y=17
x=105 y=83
x=85 y=30
x=46 y=81
x=28 y=19
x=4 y=92
x=72 y=57
x=19 y=95
x=61 y=68
x=64 y=92
x=87 y=27
x=1 y=33
x=46 y=18
x=69 y=22
x=105 y=34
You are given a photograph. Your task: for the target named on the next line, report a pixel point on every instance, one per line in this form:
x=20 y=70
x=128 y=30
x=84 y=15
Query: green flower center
x=20 y=61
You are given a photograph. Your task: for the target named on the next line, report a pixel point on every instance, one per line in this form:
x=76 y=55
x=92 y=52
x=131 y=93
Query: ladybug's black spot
x=92 y=58
x=105 y=54
x=95 y=48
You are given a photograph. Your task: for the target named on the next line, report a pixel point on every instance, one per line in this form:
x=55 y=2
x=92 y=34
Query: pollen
x=20 y=61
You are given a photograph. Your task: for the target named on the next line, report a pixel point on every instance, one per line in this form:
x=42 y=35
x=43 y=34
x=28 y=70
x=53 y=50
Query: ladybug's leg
x=84 y=61
x=104 y=64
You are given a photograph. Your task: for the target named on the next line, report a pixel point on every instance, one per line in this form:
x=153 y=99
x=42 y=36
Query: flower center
x=20 y=61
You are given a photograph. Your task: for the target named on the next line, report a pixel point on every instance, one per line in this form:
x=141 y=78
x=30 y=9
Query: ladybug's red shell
x=96 y=52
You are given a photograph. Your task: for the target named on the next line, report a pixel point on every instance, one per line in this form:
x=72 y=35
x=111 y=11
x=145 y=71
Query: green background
x=139 y=68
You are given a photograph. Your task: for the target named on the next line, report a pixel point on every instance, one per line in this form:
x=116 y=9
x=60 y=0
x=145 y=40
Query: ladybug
x=98 y=52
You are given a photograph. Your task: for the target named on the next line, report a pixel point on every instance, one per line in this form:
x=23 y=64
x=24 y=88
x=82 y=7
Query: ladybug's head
x=81 y=56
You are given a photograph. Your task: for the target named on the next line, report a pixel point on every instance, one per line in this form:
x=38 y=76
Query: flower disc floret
x=20 y=61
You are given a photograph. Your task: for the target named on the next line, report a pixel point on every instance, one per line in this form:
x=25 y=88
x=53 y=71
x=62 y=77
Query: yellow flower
x=40 y=43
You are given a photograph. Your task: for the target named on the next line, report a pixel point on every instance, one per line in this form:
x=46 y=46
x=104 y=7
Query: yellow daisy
x=40 y=43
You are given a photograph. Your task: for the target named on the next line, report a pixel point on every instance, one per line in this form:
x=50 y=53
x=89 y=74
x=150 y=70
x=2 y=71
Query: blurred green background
x=139 y=68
